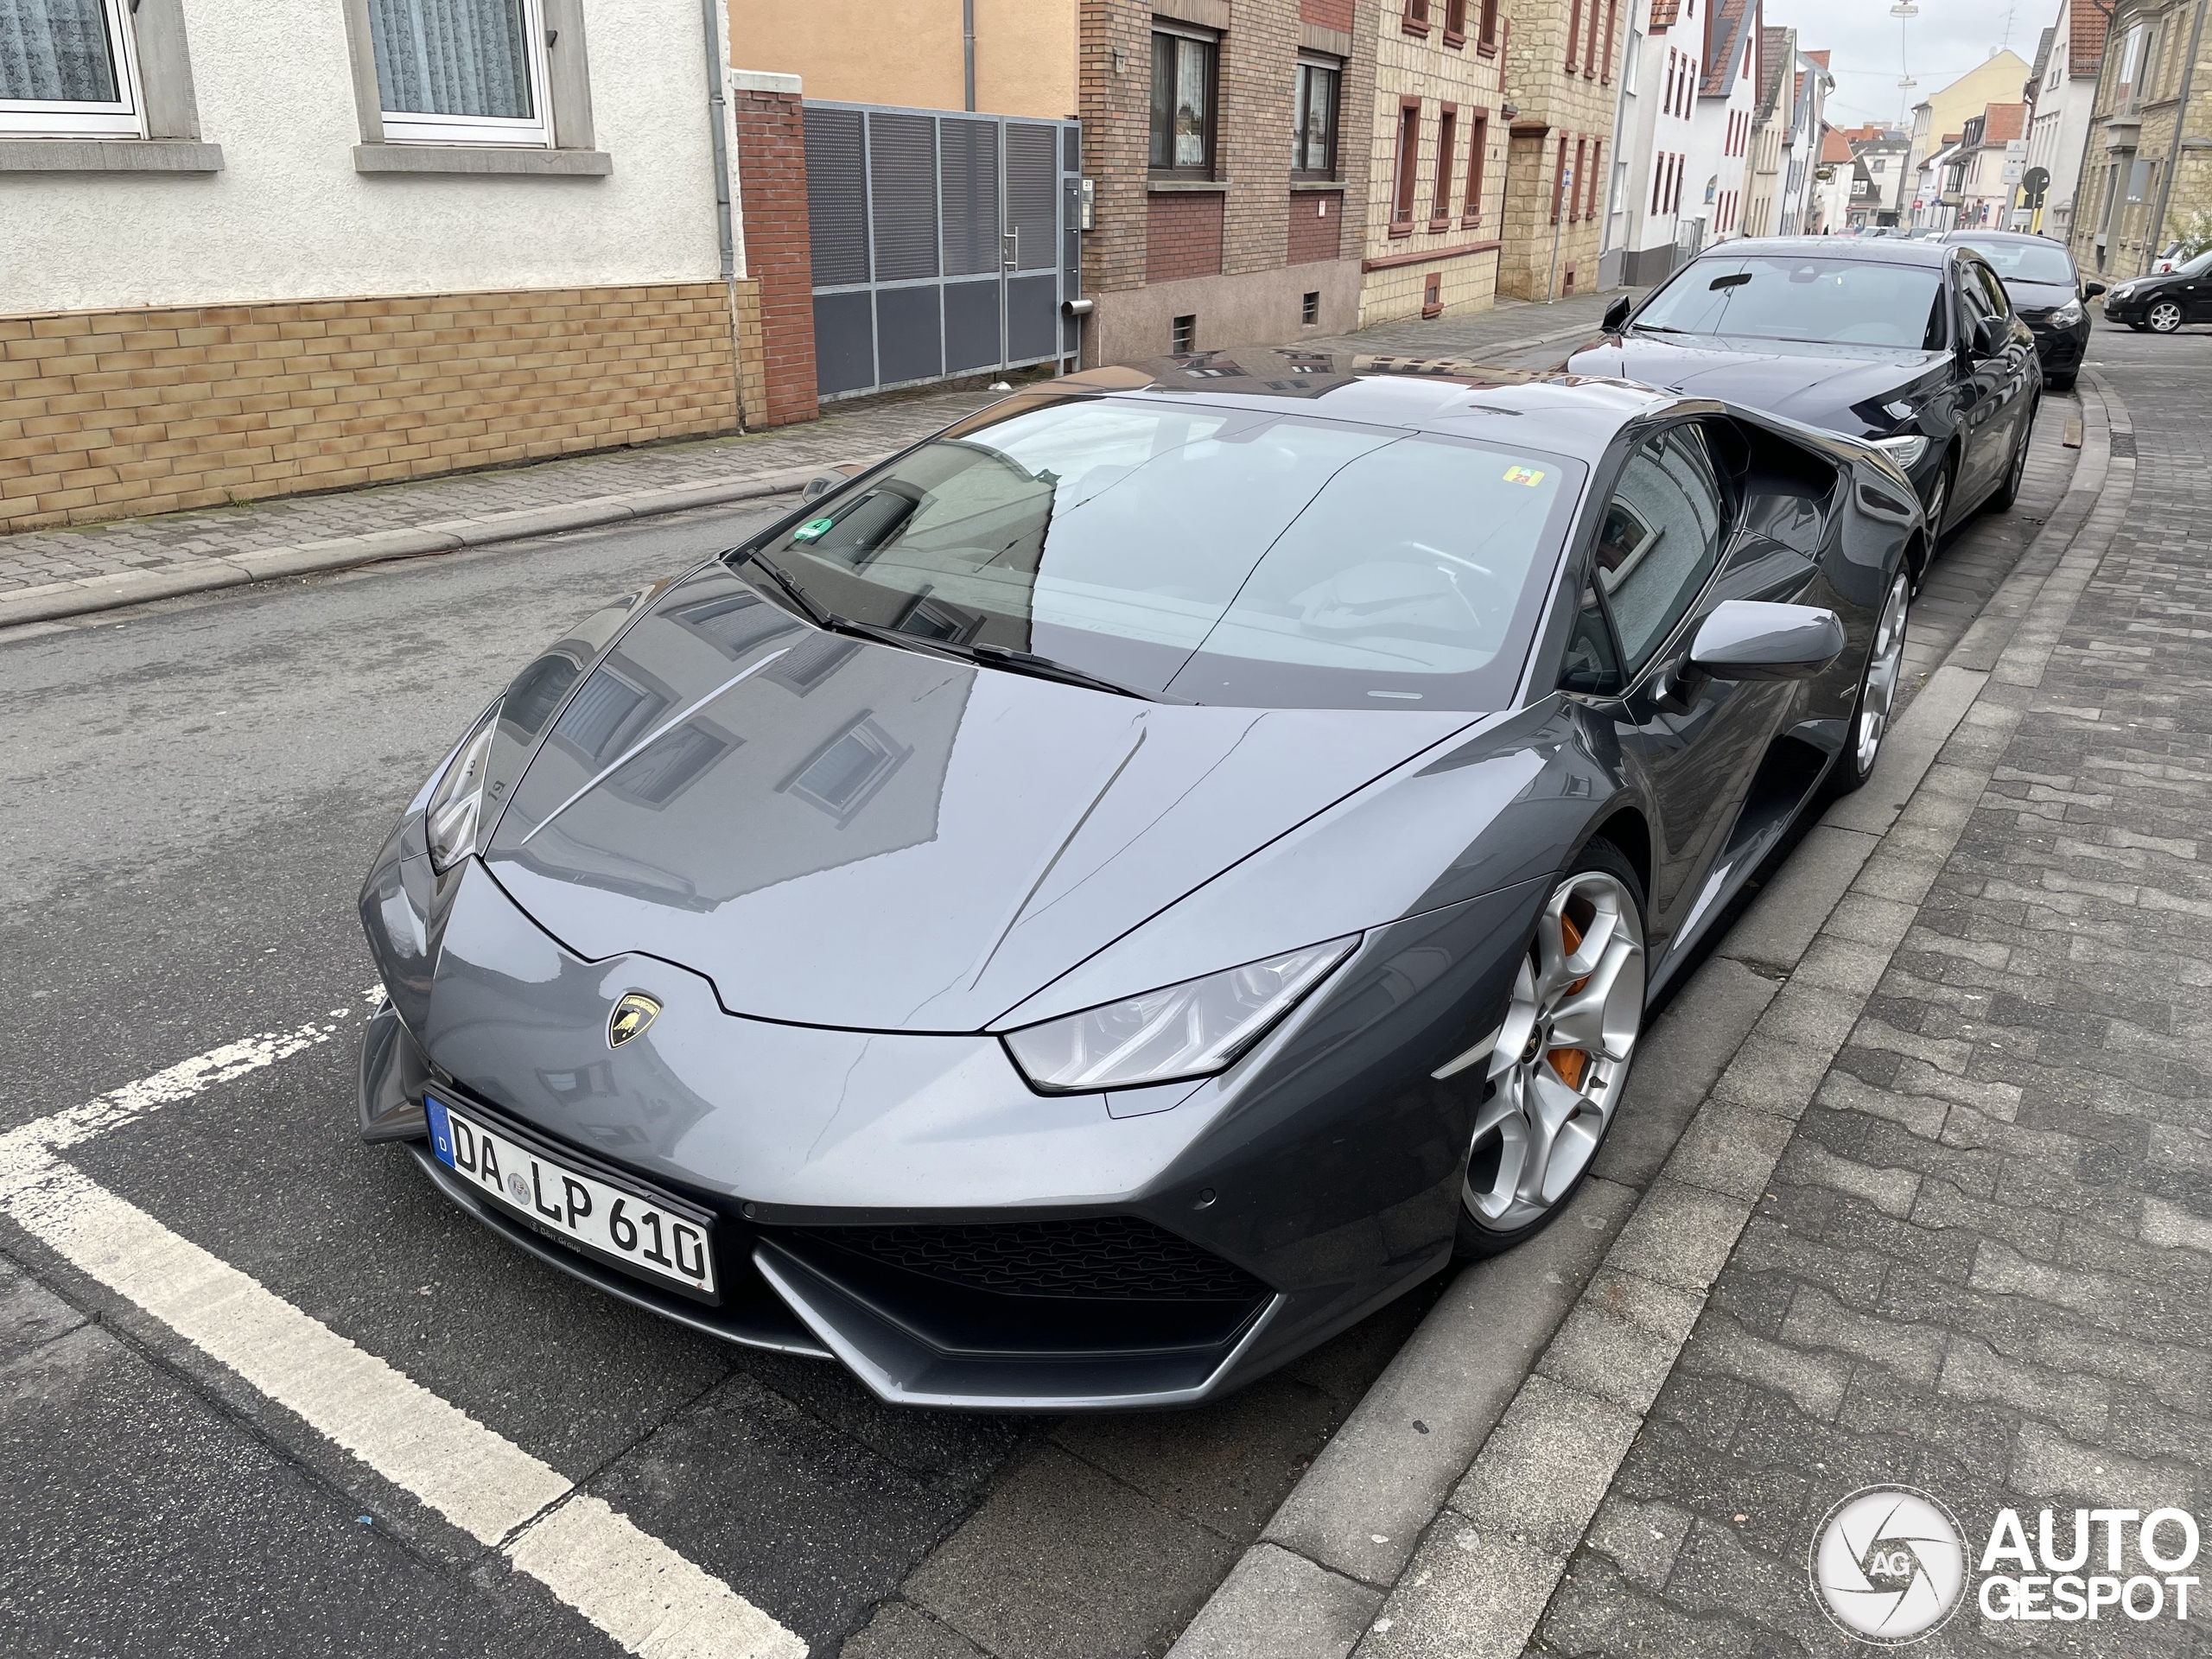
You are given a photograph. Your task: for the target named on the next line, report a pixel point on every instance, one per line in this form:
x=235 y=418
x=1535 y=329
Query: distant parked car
x=2047 y=291
x=2163 y=303
x=1913 y=346
x=2169 y=256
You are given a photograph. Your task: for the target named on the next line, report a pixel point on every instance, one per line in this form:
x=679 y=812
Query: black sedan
x=1088 y=908
x=2047 y=291
x=2161 y=304
x=1913 y=346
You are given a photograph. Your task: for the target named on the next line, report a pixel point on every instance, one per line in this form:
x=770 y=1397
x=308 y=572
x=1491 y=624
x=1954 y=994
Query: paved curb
x=87 y=594
x=1495 y=1537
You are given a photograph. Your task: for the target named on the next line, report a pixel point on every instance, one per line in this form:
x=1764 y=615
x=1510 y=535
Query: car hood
x=2038 y=296
x=840 y=833
x=1841 y=387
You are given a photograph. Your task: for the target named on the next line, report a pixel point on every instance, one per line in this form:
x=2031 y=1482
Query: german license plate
x=574 y=1206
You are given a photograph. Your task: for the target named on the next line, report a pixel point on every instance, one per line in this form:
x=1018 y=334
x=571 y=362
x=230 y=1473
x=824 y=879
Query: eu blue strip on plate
x=440 y=1130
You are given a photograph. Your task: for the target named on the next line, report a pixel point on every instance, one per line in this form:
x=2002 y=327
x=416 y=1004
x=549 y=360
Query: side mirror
x=822 y=483
x=1617 y=314
x=2090 y=290
x=1750 y=640
x=1990 y=336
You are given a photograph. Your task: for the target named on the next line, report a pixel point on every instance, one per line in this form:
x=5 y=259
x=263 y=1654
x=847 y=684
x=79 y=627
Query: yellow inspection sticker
x=1527 y=475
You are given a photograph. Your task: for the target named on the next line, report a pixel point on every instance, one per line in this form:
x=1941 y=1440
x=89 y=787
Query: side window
x=1993 y=289
x=1973 y=303
x=1660 y=539
x=1590 y=665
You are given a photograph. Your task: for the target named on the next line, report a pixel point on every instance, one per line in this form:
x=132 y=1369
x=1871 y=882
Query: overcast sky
x=1946 y=39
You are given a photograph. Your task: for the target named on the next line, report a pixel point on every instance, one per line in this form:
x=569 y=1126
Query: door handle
x=1010 y=249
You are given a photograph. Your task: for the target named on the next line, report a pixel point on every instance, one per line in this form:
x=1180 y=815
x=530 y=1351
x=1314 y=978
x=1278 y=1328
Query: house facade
x=1561 y=59
x=1938 y=120
x=2149 y=170
x=1770 y=122
x=253 y=250
x=2064 y=91
x=1437 y=150
x=1726 y=110
x=1652 y=228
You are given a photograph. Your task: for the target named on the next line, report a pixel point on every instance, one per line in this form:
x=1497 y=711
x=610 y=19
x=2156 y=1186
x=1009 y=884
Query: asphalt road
x=189 y=794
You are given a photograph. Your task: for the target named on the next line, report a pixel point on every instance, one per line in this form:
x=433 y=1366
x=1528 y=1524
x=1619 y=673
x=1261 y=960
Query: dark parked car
x=1912 y=345
x=2047 y=291
x=1082 y=912
x=2162 y=304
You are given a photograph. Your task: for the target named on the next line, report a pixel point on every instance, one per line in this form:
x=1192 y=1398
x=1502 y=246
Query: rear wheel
x=2009 y=491
x=1562 y=1060
x=2163 y=317
x=1877 y=692
x=2059 y=382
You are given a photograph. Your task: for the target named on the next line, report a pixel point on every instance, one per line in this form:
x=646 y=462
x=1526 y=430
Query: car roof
x=1573 y=414
x=1967 y=238
x=1894 y=250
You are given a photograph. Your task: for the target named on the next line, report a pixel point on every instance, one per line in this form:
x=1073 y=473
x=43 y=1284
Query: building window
x=1613 y=20
x=1313 y=149
x=1416 y=19
x=1487 y=32
x=1182 y=103
x=1581 y=180
x=1478 y=152
x=1455 y=22
x=1402 y=212
x=462 y=71
x=1573 y=29
x=1559 y=180
x=1447 y=140
x=1183 y=335
x=1309 y=309
x=67 y=68
x=1589 y=179
x=1590 y=46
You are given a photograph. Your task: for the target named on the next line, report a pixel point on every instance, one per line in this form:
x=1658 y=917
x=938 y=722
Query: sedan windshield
x=1205 y=553
x=2025 y=262
x=1848 y=302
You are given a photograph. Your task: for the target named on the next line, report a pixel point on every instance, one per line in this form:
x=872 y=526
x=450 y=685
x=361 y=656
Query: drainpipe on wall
x=2157 y=237
x=725 y=215
x=968 y=48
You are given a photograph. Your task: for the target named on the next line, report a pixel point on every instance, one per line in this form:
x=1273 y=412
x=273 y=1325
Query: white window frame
x=412 y=127
x=39 y=117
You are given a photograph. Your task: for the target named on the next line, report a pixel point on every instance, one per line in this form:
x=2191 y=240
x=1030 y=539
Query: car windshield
x=1850 y=302
x=1208 y=553
x=2025 y=262
x=2195 y=267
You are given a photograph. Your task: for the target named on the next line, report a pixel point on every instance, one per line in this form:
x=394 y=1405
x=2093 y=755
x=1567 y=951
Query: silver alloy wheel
x=1561 y=1056
x=2163 y=317
x=1879 y=693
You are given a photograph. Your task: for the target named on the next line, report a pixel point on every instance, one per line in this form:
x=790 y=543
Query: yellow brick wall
x=108 y=414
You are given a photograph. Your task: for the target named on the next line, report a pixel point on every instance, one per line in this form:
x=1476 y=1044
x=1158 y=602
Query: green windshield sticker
x=813 y=529
x=1527 y=475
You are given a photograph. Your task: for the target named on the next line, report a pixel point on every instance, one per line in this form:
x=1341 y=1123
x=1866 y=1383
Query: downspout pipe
x=725 y=218
x=967 y=48
x=2154 y=242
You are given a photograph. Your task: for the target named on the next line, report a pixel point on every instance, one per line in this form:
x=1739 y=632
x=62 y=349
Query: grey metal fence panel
x=909 y=334
x=971 y=326
x=1032 y=307
x=836 y=196
x=902 y=190
x=969 y=182
x=844 y=342
x=1032 y=189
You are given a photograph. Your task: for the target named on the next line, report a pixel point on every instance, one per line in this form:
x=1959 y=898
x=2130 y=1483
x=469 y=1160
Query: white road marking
x=648 y=1599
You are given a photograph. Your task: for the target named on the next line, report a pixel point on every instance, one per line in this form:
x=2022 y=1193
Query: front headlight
x=1905 y=451
x=2067 y=314
x=1191 y=1030
x=450 y=820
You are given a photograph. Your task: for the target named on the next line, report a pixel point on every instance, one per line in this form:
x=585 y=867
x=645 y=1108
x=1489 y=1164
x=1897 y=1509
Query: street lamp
x=1904 y=8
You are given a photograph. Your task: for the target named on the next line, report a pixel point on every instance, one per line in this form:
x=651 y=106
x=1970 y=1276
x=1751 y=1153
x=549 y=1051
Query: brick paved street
x=1981 y=1264
x=39 y=558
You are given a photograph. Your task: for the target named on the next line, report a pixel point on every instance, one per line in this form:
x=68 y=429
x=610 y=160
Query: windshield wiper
x=799 y=596
x=1657 y=328
x=831 y=622
x=1028 y=662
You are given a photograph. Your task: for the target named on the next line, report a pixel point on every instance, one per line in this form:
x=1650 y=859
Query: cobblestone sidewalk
x=1946 y=1221
x=37 y=566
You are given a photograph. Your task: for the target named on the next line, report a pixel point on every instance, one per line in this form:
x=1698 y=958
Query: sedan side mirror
x=1751 y=639
x=1617 y=314
x=1989 y=336
x=2090 y=290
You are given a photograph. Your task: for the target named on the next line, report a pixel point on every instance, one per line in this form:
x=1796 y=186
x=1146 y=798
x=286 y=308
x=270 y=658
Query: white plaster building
x=2065 y=89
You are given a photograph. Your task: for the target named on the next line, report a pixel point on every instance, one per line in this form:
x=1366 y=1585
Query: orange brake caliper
x=1571 y=1063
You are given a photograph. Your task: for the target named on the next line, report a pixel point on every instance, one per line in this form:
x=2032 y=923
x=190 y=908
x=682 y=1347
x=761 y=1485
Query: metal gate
x=944 y=244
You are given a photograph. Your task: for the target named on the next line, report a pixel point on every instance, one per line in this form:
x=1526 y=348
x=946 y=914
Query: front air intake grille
x=1107 y=1257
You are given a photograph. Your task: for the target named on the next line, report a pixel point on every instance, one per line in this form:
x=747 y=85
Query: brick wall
x=1183 y=235
x=1326 y=14
x=779 y=253
x=1315 y=234
x=105 y=414
x=1556 y=103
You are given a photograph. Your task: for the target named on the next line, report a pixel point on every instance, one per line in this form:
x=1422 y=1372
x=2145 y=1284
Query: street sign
x=2033 y=183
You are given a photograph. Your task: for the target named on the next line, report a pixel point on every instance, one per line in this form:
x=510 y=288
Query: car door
x=2194 y=289
x=1983 y=427
x=1658 y=568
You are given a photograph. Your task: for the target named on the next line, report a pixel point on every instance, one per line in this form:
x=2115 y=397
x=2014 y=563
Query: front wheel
x=1554 y=1077
x=2163 y=317
x=1877 y=692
